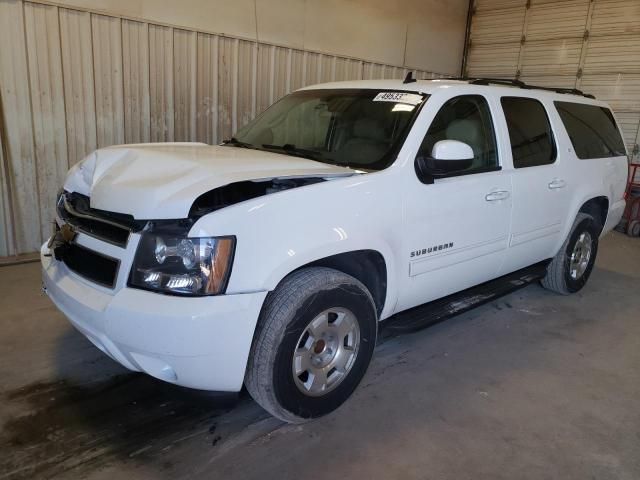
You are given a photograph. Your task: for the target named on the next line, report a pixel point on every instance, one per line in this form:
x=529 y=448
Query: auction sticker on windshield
x=398 y=97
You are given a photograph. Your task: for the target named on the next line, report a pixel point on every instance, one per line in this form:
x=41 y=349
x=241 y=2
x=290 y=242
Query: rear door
x=541 y=180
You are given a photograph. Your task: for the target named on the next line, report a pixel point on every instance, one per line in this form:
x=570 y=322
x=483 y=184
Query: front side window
x=466 y=119
x=530 y=132
x=362 y=128
x=592 y=130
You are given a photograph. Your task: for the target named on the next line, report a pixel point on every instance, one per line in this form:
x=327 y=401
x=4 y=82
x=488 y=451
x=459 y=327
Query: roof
x=420 y=86
x=431 y=87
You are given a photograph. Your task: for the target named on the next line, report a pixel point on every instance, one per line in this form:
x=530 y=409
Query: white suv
x=270 y=259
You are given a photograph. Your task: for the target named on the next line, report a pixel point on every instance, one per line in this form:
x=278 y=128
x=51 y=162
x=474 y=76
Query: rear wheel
x=570 y=269
x=314 y=342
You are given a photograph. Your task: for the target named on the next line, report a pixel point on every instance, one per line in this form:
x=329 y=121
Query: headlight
x=177 y=264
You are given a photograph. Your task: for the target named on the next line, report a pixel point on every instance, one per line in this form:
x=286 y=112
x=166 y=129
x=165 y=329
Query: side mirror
x=447 y=156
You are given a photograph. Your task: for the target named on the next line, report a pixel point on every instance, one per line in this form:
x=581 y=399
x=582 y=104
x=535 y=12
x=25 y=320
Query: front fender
x=281 y=232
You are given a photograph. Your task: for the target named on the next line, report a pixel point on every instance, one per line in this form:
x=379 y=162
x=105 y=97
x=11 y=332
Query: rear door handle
x=557 y=183
x=497 y=195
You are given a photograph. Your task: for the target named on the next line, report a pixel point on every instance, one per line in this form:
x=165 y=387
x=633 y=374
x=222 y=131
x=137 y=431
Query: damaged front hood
x=161 y=181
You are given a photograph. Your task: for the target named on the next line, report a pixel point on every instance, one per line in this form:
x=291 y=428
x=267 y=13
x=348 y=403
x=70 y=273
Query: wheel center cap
x=319 y=346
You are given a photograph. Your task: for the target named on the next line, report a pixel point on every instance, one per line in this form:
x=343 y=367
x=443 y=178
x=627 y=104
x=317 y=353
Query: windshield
x=362 y=129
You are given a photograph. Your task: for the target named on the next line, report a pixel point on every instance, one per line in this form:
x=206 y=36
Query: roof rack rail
x=497 y=81
x=520 y=84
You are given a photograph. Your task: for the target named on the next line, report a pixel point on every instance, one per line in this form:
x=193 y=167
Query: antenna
x=409 y=78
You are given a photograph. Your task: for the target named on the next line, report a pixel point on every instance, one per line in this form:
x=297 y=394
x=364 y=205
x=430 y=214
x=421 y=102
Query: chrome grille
x=114 y=228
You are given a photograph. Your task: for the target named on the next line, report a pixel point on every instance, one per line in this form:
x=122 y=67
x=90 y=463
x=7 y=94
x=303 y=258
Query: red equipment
x=631 y=216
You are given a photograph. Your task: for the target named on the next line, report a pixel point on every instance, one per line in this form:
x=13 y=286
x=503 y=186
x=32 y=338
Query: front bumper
x=197 y=342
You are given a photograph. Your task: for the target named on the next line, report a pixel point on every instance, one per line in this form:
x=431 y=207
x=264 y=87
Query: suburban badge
x=435 y=248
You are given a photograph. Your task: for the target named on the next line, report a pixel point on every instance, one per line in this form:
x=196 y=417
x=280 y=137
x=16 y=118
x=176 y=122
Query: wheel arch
x=367 y=266
x=595 y=204
x=598 y=208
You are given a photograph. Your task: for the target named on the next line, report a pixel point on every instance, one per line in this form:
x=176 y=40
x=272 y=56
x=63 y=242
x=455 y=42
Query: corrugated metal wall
x=72 y=81
x=593 y=45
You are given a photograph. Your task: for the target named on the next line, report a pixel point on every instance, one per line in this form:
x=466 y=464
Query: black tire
x=285 y=317
x=558 y=277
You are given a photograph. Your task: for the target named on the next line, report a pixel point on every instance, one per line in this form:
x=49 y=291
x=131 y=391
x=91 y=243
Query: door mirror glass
x=447 y=156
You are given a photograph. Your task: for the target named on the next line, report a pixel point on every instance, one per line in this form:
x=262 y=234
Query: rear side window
x=530 y=133
x=592 y=130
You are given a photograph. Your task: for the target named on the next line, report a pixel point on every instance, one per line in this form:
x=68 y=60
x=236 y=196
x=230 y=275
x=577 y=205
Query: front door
x=457 y=229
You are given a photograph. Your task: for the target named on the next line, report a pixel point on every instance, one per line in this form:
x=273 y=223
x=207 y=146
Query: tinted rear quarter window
x=592 y=130
x=530 y=133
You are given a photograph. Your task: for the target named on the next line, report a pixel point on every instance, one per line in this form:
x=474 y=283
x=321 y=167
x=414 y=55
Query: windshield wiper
x=234 y=142
x=291 y=149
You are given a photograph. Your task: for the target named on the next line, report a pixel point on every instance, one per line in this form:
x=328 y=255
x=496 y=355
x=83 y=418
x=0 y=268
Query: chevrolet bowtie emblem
x=61 y=236
x=67 y=232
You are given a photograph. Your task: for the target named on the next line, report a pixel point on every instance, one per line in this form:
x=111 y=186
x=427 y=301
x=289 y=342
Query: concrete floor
x=532 y=386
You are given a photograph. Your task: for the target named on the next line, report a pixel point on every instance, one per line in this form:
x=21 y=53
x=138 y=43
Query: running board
x=431 y=313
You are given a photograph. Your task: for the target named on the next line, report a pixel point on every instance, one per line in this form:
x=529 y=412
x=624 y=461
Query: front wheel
x=314 y=342
x=570 y=269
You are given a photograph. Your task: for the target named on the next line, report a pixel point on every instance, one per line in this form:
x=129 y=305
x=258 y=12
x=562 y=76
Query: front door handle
x=557 y=183
x=497 y=195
